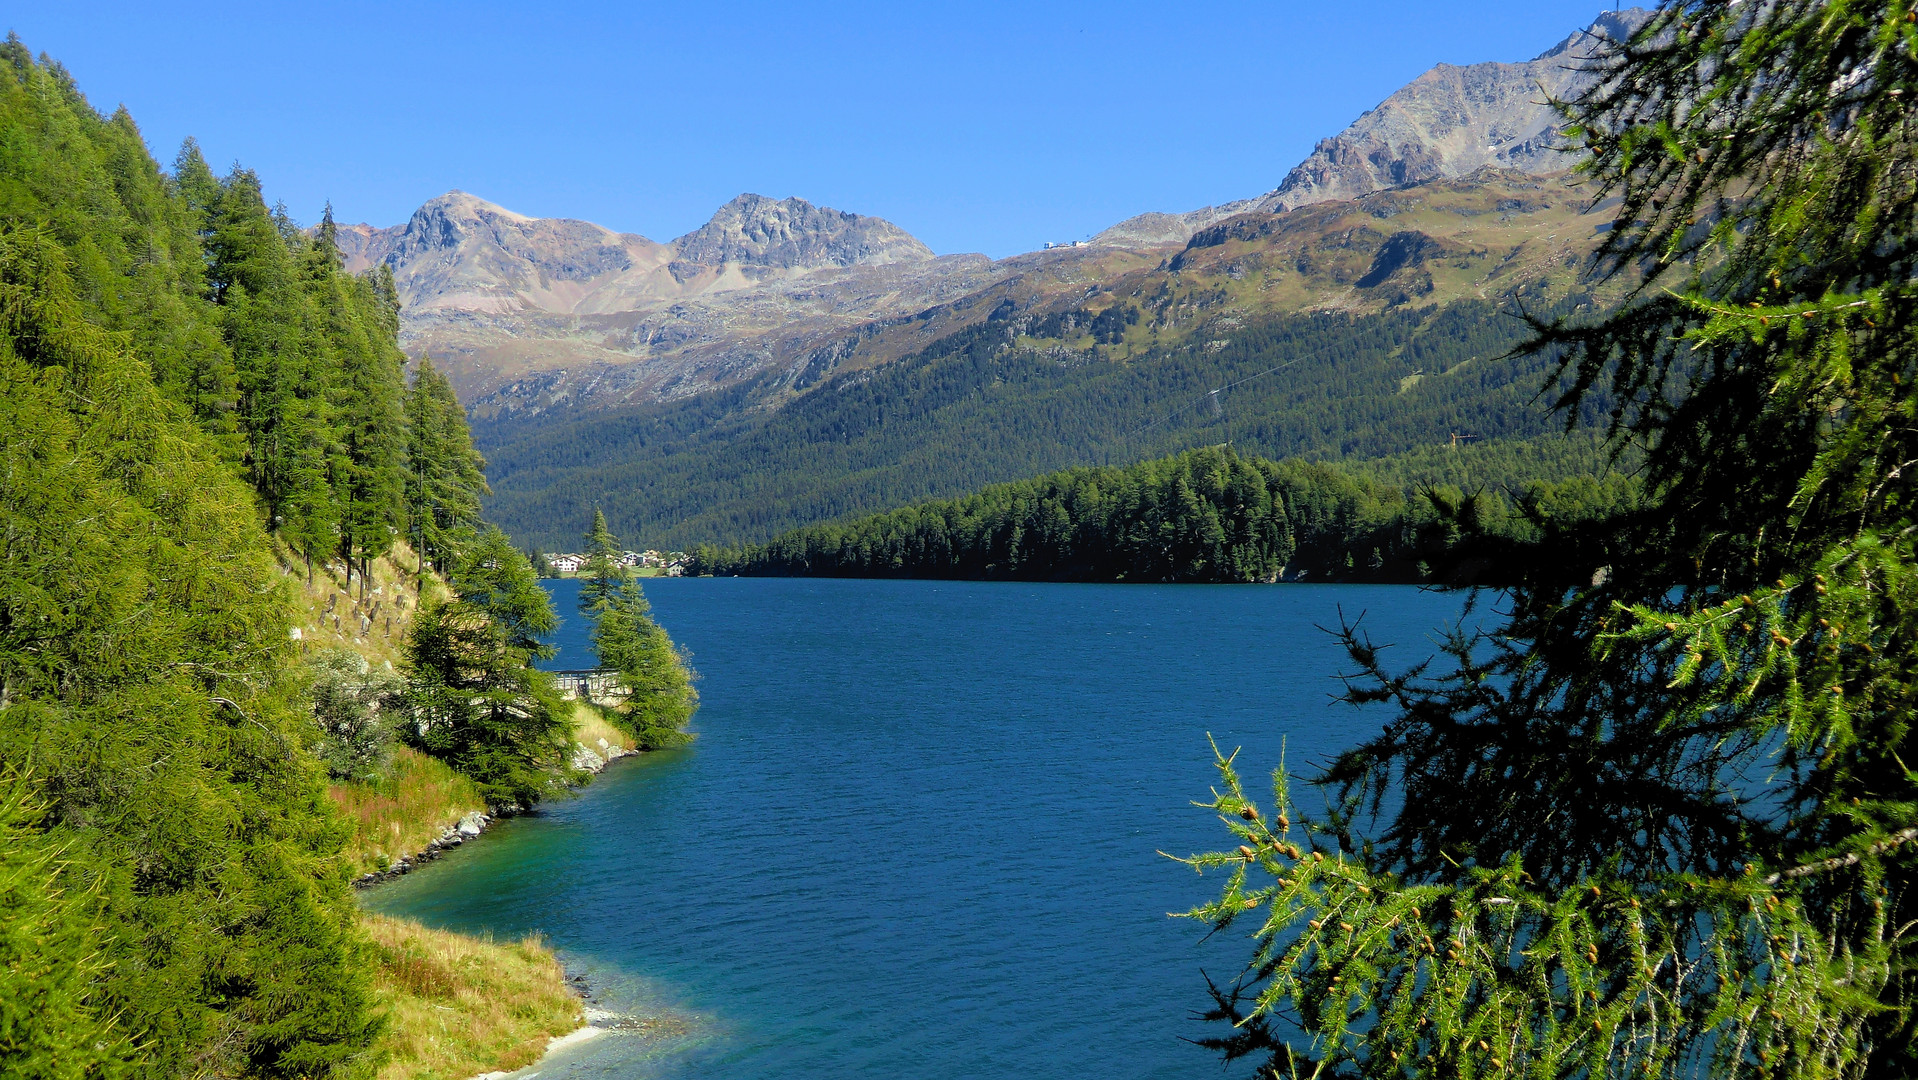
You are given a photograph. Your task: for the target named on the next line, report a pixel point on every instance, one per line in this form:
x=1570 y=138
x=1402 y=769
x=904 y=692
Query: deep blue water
x=916 y=835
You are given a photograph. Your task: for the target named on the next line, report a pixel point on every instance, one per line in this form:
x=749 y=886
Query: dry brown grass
x=330 y=613
x=589 y=727
x=414 y=803
x=459 y=1006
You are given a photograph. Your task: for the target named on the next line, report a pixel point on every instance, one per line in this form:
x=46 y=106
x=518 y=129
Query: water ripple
x=916 y=835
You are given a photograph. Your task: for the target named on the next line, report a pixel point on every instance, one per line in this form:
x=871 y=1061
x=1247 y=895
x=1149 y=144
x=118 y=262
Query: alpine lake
x=918 y=834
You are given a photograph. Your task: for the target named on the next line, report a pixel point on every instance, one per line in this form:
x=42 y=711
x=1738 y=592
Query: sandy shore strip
x=553 y=1046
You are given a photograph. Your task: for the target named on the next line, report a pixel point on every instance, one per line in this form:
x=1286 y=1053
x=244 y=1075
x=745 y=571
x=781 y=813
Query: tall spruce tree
x=1661 y=821
x=604 y=571
x=655 y=696
x=370 y=472
x=285 y=371
x=474 y=696
x=446 y=476
x=132 y=251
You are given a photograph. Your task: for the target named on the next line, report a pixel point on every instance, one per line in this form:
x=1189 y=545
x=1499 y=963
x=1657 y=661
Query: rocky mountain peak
x=1609 y=26
x=462 y=252
x=793 y=234
x=457 y=221
x=458 y=204
x=1444 y=125
x=1453 y=120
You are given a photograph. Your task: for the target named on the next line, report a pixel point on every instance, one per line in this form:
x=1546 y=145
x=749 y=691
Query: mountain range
x=786 y=363
x=532 y=316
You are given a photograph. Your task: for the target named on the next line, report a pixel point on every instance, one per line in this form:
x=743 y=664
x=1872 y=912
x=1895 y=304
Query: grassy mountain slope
x=971 y=412
x=1354 y=329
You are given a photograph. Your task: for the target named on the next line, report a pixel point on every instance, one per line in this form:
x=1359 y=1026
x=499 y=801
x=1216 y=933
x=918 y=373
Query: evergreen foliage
x=603 y=572
x=133 y=255
x=288 y=363
x=49 y=1025
x=190 y=388
x=974 y=409
x=656 y=692
x=147 y=689
x=1203 y=516
x=1659 y=820
x=474 y=697
x=445 y=476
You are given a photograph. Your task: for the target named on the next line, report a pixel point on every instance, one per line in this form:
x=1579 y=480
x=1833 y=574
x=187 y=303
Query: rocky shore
x=585 y=759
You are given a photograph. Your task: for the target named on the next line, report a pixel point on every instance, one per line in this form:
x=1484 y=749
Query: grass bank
x=417 y=799
x=334 y=608
x=458 y=1006
x=591 y=730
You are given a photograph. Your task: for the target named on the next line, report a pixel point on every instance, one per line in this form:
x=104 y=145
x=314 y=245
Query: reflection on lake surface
x=916 y=836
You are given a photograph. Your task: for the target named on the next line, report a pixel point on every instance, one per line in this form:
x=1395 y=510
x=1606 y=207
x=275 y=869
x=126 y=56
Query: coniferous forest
x=1208 y=515
x=202 y=411
x=966 y=412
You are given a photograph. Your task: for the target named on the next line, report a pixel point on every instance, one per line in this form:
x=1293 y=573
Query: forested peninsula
x=254 y=635
x=1213 y=515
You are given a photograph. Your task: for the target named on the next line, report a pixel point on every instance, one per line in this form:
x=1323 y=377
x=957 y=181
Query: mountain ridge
x=532 y=316
x=461 y=252
x=1425 y=130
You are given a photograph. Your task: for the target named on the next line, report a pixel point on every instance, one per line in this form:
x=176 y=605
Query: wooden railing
x=589 y=684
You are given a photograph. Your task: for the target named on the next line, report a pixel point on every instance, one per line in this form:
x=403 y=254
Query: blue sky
x=984 y=127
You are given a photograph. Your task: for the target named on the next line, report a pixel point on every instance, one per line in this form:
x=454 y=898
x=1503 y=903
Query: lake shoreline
x=864 y=809
x=473 y=825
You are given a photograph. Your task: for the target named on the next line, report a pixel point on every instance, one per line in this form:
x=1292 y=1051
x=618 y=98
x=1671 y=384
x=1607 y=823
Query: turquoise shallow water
x=916 y=836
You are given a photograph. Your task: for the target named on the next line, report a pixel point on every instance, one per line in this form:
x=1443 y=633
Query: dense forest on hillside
x=1208 y=515
x=151 y=727
x=970 y=410
x=200 y=411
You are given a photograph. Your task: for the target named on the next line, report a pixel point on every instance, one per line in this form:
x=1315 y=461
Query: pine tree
x=474 y=697
x=1659 y=821
x=147 y=695
x=445 y=475
x=326 y=241
x=132 y=253
x=655 y=696
x=49 y=965
x=370 y=474
x=604 y=572
x=285 y=372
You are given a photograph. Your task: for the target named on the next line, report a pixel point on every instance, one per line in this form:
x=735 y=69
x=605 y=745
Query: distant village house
x=668 y=563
